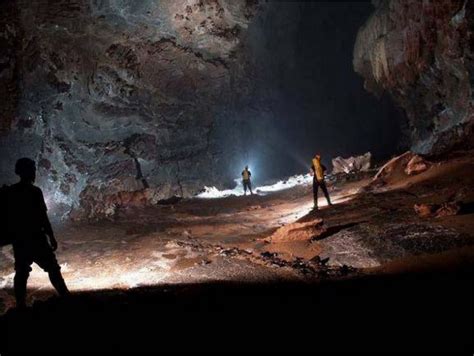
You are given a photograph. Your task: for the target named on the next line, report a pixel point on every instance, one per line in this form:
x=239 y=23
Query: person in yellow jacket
x=246 y=180
x=318 y=180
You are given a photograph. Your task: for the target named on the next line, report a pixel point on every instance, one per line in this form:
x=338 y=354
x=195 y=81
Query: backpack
x=5 y=238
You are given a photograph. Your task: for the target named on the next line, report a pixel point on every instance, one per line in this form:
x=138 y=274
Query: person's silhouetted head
x=246 y=168
x=26 y=169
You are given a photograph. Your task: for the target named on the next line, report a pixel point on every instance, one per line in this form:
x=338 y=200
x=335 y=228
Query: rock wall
x=125 y=102
x=422 y=53
x=10 y=35
x=118 y=96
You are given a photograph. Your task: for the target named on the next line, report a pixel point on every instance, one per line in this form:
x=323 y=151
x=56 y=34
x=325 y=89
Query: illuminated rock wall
x=118 y=96
x=421 y=52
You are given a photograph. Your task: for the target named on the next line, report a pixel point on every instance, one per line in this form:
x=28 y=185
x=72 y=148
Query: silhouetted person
x=246 y=180
x=30 y=229
x=318 y=170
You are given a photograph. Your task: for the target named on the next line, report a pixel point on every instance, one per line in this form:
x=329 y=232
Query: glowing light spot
x=298 y=180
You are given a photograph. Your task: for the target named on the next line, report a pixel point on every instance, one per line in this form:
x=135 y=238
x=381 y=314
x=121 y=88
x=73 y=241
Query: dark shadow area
x=467 y=208
x=335 y=229
x=424 y=311
x=170 y=201
x=303 y=55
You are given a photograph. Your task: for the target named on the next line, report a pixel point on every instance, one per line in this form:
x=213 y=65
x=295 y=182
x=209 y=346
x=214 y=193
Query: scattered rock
x=318 y=261
x=437 y=210
x=267 y=254
x=229 y=252
x=448 y=209
x=393 y=166
x=253 y=207
x=424 y=210
x=416 y=165
x=351 y=164
x=345 y=269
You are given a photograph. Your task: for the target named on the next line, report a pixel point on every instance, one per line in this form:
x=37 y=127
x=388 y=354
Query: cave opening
x=215 y=168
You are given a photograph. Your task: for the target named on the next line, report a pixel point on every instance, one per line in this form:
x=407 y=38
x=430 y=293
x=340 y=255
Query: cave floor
x=209 y=240
x=215 y=255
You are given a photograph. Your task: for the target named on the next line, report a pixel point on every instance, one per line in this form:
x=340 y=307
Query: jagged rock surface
x=421 y=52
x=118 y=96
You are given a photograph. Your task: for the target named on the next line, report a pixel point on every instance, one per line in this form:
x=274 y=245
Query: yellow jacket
x=318 y=169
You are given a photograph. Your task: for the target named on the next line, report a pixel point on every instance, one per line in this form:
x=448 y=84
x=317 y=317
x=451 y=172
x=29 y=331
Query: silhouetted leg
x=19 y=285
x=58 y=283
x=315 y=193
x=23 y=261
x=325 y=191
x=245 y=187
x=46 y=259
x=250 y=188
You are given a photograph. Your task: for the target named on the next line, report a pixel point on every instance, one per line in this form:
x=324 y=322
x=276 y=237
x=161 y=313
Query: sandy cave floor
x=199 y=240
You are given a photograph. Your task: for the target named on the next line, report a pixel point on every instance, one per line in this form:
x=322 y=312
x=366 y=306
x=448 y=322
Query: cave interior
x=141 y=116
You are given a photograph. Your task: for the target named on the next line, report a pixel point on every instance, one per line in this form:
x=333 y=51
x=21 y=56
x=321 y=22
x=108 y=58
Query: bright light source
x=213 y=192
x=286 y=184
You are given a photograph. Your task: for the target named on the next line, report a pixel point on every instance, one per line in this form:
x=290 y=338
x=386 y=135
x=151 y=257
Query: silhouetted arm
x=46 y=224
x=48 y=229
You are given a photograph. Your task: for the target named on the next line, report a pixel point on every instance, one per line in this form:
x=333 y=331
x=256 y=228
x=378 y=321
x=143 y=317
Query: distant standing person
x=246 y=180
x=318 y=170
x=31 y=232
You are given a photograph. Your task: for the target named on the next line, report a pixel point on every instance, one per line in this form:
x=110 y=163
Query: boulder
x=437 y=210
x=393 y=167
x=424 y=210
x=352 y=164
x=416 y=165
x=448 y=209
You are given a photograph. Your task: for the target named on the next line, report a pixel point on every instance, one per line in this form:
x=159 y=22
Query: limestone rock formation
x=117 y=96
x=394 y=168
x=351 y=164
x=421 y=52
x=416 y=165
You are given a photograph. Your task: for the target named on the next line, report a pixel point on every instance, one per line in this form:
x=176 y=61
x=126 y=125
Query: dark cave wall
x=301 y=53
x=421 y=53
x=119 y=96
x=10 y=35
x=129 y=102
